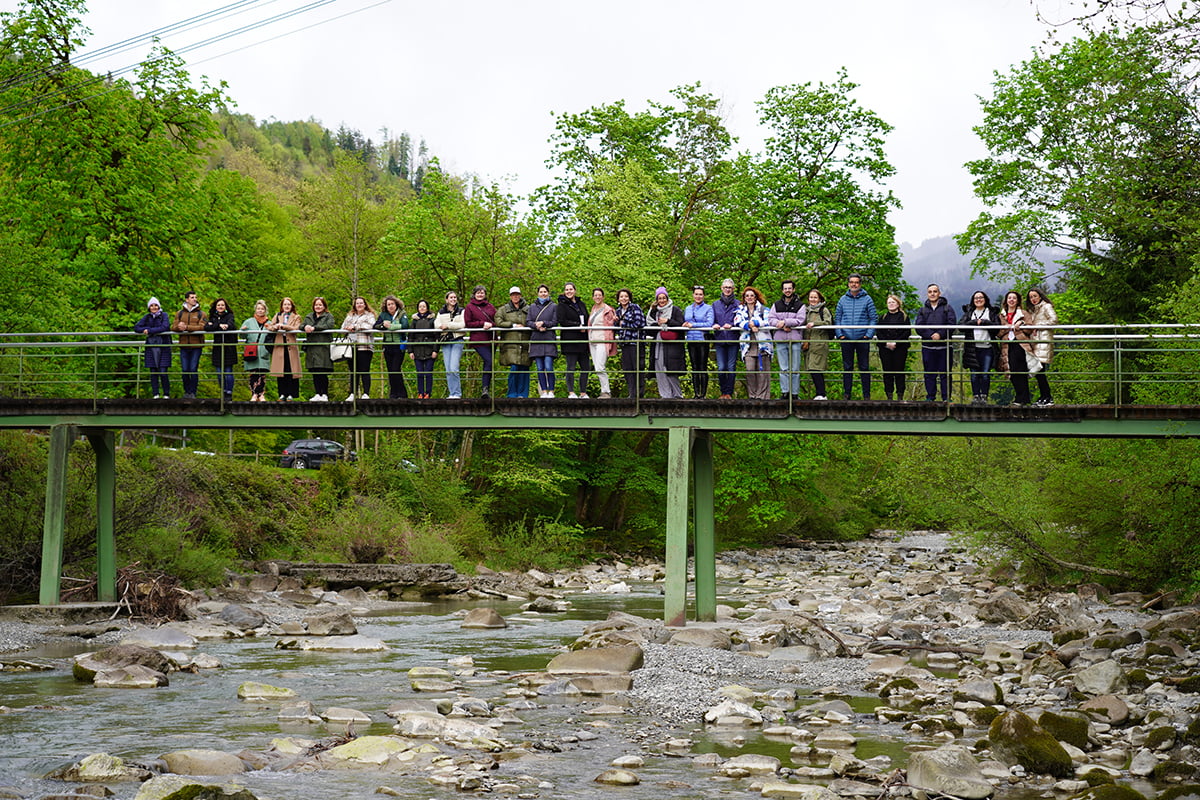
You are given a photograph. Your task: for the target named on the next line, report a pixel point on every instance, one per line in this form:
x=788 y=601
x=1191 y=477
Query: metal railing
x=1156 y=364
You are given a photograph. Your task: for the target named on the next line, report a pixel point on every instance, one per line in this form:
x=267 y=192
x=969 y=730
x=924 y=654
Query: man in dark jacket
x=933 y=326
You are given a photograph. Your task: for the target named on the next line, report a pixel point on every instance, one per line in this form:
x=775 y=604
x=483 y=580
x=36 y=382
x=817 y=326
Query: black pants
x=1018 y=373
x=288 y=383
x=485 y=355
x=894 y=363
x=697 y=351
x=360 y=371
x=320 y=382
x=393 y=358
x=936 y=361
x=633 y=364
x=860 y=350
x=576 y=362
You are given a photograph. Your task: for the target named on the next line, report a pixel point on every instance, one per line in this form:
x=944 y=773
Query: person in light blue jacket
x=755 y=343
x=854 y=323
x=698 y=319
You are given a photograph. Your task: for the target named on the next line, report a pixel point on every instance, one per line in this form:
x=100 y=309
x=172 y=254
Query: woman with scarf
x=602 y=339
x=223 y=326
x=726 y=334
x=157 y=326
x=422 y=341
x=256 y=360
x=630 y=324
x=572 y=337
x=667 y=351
x=1015 y=351
x=285 y=351
x=450 y=322
x=393 y=322
x=818 y=332
x=542 y=319
x=755 y=343
x=480 y=318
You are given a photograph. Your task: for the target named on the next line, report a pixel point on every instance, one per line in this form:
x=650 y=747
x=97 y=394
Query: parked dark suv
x=305 y=453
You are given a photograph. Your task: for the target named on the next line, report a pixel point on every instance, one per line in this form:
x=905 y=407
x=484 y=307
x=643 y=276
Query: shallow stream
x=56 y=720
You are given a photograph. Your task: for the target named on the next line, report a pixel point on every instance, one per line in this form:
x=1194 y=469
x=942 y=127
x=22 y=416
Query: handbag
x=1032 y=363
x=341 y=349
x=250 y=351
x=669 y=336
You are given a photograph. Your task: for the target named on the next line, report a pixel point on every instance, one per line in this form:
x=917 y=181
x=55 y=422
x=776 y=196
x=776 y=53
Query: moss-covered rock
x=1065 y=728
x=1191 y=734
x=983 y=717
x=1180 y=792
x=1072 y=635
x=1171 y=769
x=1190 y=684
x=1138 y=679
x=1108 y=791
x=1115 y=641
x=1098 y=777
x=898 y=684
x=1017 y=739
x=1161 y=738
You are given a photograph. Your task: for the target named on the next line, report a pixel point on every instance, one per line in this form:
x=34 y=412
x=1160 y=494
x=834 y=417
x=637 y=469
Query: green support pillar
x=104 y=445
x=54 y=524
x=702 y=509
x=679 y=449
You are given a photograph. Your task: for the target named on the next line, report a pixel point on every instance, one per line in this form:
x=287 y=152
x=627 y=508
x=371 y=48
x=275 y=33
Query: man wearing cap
x=514 y=342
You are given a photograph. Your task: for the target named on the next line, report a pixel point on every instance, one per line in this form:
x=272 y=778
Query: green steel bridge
x=1111 y=382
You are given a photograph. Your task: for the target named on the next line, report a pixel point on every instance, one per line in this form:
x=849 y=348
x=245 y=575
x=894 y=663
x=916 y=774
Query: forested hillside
x=114 y=189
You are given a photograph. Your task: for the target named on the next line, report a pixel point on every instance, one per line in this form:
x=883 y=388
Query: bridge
x=1109 y=382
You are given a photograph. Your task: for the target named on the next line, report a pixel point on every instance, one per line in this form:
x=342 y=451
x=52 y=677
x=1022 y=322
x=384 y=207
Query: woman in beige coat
x=1041 y=321
x=285 y=351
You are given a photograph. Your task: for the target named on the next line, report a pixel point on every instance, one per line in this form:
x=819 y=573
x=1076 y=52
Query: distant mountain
x=938 y=261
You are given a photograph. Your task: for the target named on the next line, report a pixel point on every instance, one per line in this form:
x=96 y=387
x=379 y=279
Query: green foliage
x=1093 y=149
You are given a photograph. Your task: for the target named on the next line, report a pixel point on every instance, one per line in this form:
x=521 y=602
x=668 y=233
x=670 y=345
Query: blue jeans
x=727 y=358
x=452 y=355
x=225 y=379
x=518 y=381
x=189 y=363
x=545 y=371
x=790 y=356
x=981 y=373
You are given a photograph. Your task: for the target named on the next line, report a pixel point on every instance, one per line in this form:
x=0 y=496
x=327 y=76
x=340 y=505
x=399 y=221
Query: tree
x=1094 y=149
x=100 y=177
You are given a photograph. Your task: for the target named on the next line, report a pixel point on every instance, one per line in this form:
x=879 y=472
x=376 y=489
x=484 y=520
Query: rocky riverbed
x=892 y=667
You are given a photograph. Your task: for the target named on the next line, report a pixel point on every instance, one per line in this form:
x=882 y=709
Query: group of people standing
x=1017 y=338
x=660 y=341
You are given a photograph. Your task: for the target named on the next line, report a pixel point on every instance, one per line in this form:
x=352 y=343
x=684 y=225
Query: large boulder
x=180 y=787
x=484 y=617
x=100 y=768
x=243 y=618
x=710 y=638
x=598 y=661
x=253 y=690
x=133 y=676
x=949 y=770
x=1106 y=677
x=335 y=623
x=1017 y=739
x=163 y=638
x=203 y=762
x=121 y=655
x=1004 y=606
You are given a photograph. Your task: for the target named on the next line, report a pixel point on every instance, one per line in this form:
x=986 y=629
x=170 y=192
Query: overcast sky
x=480 y=80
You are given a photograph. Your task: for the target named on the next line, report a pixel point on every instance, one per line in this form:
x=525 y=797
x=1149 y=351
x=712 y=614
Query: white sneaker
x=583 y=396
x=157 y=397
x=820 y=397
x=364 y=396
x=350 y=399
x=572 y=395
x=317 y=398
x=455 y=397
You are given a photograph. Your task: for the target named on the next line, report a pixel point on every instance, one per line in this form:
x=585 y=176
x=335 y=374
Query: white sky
x=479 y=80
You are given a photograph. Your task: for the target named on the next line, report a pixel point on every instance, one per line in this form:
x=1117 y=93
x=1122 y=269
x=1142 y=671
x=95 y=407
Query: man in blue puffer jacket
x=855 y=311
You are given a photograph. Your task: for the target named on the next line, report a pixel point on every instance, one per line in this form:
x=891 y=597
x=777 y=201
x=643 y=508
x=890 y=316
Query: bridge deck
x=774 y=416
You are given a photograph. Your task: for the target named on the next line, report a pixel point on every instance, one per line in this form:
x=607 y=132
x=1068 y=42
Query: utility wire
x=18 y=106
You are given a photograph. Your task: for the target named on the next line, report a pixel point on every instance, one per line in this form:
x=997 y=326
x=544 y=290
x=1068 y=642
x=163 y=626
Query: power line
x=84 y=85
